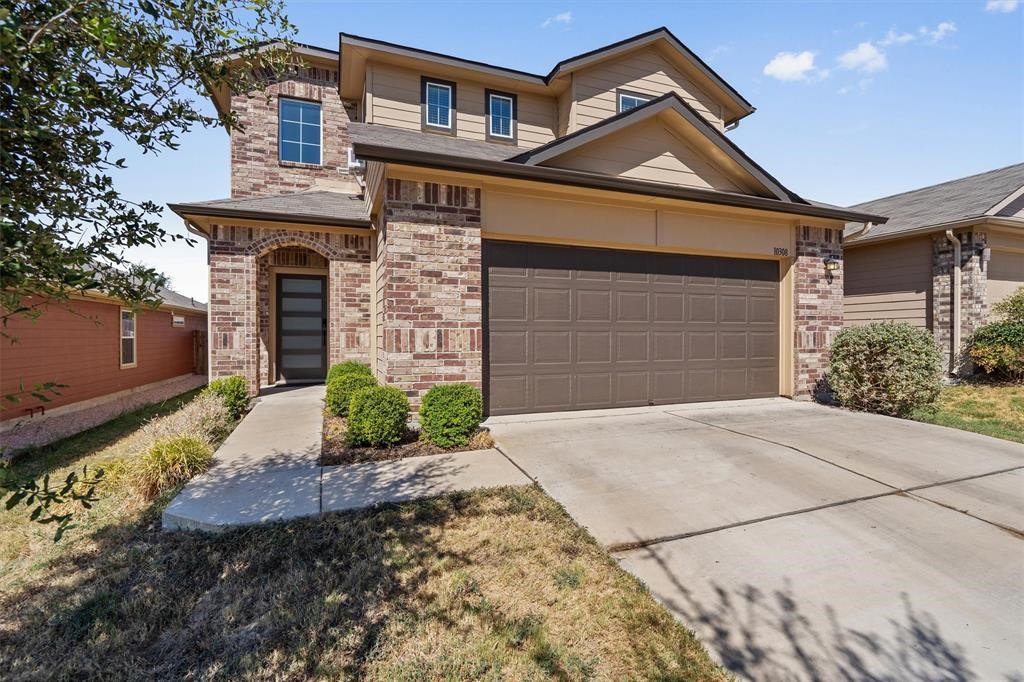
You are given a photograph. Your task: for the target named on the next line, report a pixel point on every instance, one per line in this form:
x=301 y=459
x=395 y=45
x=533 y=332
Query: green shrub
x=998 y=348
x=1011 y=308
x=234 y=391
x=450 y=414
x=886 y=367
x=341 y=388
x=170 y=462
x=348 y=367
x=377 y=416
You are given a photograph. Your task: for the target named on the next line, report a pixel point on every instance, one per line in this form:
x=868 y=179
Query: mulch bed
x=336 y=451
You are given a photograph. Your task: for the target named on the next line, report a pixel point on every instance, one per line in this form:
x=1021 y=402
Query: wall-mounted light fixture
x=831 y=263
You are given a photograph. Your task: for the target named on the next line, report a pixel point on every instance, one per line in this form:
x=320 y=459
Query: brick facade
x=817 y=306
x=973 y=299
x=430 y=300
x=240 y=260
x=255 y=166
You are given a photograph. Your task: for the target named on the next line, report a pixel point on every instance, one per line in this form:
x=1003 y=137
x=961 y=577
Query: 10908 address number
x=781 y=251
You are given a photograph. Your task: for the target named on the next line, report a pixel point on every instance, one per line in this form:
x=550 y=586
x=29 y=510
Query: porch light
x=831 y=263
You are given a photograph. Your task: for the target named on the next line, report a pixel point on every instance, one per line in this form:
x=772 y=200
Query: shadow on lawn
x=766 y=636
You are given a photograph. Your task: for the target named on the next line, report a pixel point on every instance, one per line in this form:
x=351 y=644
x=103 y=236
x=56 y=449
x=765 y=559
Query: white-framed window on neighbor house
x=438 y=103
x=628 y=100
x=501 y=116
x=300 y=131
x=128 y=339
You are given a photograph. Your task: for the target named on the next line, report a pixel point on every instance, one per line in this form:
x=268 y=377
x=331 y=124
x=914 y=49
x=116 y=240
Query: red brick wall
x=431 y=295
x=81 y=346
x=255 y=165
x=818 y=305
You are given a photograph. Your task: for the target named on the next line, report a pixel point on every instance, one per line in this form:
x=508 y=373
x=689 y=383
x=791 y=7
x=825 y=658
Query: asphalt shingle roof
x=946 y=202
x=309 y=204
x=174 y=298
x=431 y=143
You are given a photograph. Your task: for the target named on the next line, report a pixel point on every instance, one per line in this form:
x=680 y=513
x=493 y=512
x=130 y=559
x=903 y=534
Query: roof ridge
x=937 y=184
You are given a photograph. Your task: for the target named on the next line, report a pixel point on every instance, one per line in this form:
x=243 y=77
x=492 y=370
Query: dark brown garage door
x=573 y=328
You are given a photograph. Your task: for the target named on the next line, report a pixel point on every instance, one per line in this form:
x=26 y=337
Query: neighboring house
x=109 y=357
x=905 y=270
x=585 y=238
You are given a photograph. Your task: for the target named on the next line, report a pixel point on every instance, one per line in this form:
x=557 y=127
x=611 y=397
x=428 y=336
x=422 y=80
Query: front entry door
x=301 y=327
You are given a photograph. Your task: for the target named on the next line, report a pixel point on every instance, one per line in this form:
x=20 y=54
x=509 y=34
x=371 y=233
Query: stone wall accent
x=256 y=168
x=239 y=295
x=817 y=306
x=973 y=303
x=430 y=287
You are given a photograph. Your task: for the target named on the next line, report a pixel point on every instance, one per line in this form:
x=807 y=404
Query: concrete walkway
x=268 y=470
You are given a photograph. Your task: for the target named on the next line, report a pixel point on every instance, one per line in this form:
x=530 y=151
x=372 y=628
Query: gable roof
x=176 y=300
x=978 y=196
x=564 y=67
x=670 y=101
x=316 y=207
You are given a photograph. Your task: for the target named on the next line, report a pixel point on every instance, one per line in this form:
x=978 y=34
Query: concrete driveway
x=800 y=541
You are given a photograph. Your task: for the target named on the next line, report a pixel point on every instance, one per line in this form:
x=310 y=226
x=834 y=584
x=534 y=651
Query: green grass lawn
x=992 y=409
x=494 y=584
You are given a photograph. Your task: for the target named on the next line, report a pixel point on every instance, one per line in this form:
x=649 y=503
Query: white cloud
x=893 y=37
x=865 y=58
x=565 y=18
x=1001 y=5
x=934 y=35
x=792 y=66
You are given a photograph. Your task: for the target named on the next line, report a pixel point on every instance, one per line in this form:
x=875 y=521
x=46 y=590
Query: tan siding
x=648 y=151
x=395 y=101
x=889 y=282
x=1005 y=274
x=645 y=72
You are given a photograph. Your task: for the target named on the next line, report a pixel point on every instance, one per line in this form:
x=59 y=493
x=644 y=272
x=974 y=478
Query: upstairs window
x=501 y=116
x=127 y=338
x=629 y=101
x=300 y=131
x=438 y=103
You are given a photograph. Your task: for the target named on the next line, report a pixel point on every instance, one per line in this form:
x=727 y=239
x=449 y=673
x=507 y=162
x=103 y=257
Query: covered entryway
x=573 y=328
x=302 y=327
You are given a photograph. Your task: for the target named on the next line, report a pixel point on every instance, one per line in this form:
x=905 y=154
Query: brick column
x=232 y=310
x=817 y=306
x=973 y=284
x=430 y=287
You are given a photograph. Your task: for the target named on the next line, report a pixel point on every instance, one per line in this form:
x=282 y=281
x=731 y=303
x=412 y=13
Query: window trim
x=134 y=337
x=491 y=137
x=452 y=108
x=280 y=125
x=619 y=94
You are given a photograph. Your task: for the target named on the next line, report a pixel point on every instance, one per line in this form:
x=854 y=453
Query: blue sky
x=855 y=100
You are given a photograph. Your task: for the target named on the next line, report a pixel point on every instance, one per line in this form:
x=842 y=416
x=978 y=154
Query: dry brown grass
x=992 y=409
x=496 y=584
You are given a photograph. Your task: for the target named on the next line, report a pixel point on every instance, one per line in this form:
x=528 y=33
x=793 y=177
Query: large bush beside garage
x=890 y=368
x=377 y=415
x=340 y=389
x=998 y=349
x=450 y=414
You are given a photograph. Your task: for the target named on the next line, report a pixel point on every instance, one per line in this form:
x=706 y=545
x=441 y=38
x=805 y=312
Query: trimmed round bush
x=890 y=368
x=998 y=348
x=234 y=391
x=377 y=416
x=451 y=413
x=170 y=462
x=341 y=388
x=348 y=367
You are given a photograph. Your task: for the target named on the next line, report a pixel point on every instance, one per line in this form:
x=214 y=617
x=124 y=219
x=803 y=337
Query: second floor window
x=300 y=131
x=501 y=115
x=628 y=101
x=438 y=105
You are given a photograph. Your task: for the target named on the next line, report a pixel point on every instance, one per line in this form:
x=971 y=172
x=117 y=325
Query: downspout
x=955 y=336
x=862 y=232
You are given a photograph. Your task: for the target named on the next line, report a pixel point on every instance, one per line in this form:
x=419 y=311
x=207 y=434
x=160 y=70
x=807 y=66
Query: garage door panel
x=590 y=328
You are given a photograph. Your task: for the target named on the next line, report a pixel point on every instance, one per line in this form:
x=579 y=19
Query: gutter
x=955 y=335
x=561 y=176
x=185 y=210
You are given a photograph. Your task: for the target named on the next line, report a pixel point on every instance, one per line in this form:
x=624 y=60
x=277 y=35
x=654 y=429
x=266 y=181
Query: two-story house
x=581 y=239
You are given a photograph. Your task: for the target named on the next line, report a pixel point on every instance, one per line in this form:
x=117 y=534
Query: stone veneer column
x=430 y=287
x=817 y=306
x=973 y=284
x=232 y=311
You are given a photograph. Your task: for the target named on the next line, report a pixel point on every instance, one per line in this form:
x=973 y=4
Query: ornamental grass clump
x=377 y=416
x=169 y=462
x=450 y=414
x=890 y=368
x=340 y=390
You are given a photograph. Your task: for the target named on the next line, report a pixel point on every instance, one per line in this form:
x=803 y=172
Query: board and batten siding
x=395 y=101
x=644 y=72
x=889 y=282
